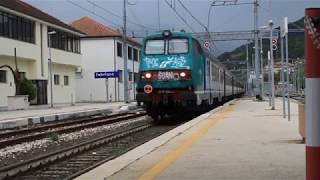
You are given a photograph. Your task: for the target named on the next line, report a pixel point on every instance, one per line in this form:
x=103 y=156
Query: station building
x=102 y=51
x=25 y=28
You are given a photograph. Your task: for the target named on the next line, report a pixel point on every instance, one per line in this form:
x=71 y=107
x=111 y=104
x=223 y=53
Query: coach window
x=3 y=76
x=119 y=49
x=194 y=47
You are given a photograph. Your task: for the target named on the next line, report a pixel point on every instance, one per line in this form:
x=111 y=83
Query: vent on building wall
x=78 y=69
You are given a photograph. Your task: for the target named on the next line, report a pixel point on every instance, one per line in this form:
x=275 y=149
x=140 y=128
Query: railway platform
x=242 y=140
x=39 y=114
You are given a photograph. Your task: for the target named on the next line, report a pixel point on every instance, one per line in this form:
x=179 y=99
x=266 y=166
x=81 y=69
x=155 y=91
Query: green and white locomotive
x=177 y=74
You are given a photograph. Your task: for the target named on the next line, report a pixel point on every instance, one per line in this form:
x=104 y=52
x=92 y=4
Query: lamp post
x=50 y=66
x=272 y=71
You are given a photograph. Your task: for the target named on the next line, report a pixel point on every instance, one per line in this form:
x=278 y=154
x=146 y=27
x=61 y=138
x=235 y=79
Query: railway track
x=75 y=159
x=31 y=134
x=67 y=161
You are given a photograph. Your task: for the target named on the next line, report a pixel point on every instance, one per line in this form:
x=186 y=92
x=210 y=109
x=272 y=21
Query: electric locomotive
x=177 y=74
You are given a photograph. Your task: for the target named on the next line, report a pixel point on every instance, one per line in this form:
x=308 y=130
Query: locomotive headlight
x=183 y=74
x=148 y=75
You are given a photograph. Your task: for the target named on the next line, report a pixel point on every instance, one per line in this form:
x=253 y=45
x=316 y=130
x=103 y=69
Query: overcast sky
x=145 y=14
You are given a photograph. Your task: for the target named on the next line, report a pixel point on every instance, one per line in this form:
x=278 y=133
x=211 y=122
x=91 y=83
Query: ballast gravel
x=11 y=152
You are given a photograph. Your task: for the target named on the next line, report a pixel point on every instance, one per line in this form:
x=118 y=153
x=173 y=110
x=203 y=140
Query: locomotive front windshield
x=178 y=46
x=171 y=46
x=155 y=47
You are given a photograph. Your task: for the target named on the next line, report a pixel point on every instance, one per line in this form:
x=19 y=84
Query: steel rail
x=46 y=132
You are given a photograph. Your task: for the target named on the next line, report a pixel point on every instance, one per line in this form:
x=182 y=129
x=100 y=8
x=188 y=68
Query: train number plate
x=167 y=75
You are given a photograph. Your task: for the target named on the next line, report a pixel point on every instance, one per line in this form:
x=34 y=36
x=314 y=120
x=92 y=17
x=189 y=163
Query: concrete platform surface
x=37 y=114
x=244 y=140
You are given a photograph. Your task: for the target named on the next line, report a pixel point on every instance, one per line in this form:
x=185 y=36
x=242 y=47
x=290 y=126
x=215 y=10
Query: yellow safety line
x=167 y=160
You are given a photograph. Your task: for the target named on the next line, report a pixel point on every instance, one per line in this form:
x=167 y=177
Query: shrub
x=27 y=88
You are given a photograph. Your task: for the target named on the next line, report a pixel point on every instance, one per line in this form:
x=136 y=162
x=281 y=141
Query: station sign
x=206 y=44
x=110 y=74
x=274 y=44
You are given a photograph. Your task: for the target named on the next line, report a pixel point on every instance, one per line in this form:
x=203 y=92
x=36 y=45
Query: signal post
x=312 y=73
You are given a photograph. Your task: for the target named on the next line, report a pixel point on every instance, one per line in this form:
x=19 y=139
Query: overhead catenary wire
x=179 y=15
x=92 y=12
x=190 y=13
x=116 y=15
x=172 y=5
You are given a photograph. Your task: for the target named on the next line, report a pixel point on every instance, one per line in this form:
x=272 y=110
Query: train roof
x=173 y=33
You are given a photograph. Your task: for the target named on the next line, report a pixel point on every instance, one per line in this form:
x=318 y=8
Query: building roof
x=22 y=7
x=93 y=29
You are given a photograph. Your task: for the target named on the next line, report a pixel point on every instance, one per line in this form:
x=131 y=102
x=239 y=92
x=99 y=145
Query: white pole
x=50 y=69
x=125 y=64
x=262 y=70
x=248 y=69
x=288 y=77
x=269 y=76
x=107 y=90
x=272 y=71
x=283 y=78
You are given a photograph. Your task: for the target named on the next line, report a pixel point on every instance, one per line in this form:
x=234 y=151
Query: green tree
x=27 y=88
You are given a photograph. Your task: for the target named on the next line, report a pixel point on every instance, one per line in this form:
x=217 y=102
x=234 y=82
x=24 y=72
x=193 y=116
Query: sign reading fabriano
x=111 y=74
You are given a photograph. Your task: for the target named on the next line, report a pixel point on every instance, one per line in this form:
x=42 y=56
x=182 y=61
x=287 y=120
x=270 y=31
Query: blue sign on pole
x=111 y=74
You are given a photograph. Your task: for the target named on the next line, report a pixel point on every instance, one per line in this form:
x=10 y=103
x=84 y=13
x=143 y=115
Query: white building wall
x=64 y=93
x=29 y=61
x=100 y=54
x=97 y=55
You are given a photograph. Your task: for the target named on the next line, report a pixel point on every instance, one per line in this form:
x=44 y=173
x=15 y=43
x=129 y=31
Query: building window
x=22 y=75
x=129 y=52
x=3 y=76
x=64 y=41
x=17 y=27
x=120 y=79
x=56 y=78
x=135 y=54
x=119 y=49
x=130 y=76
x=66 y=80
